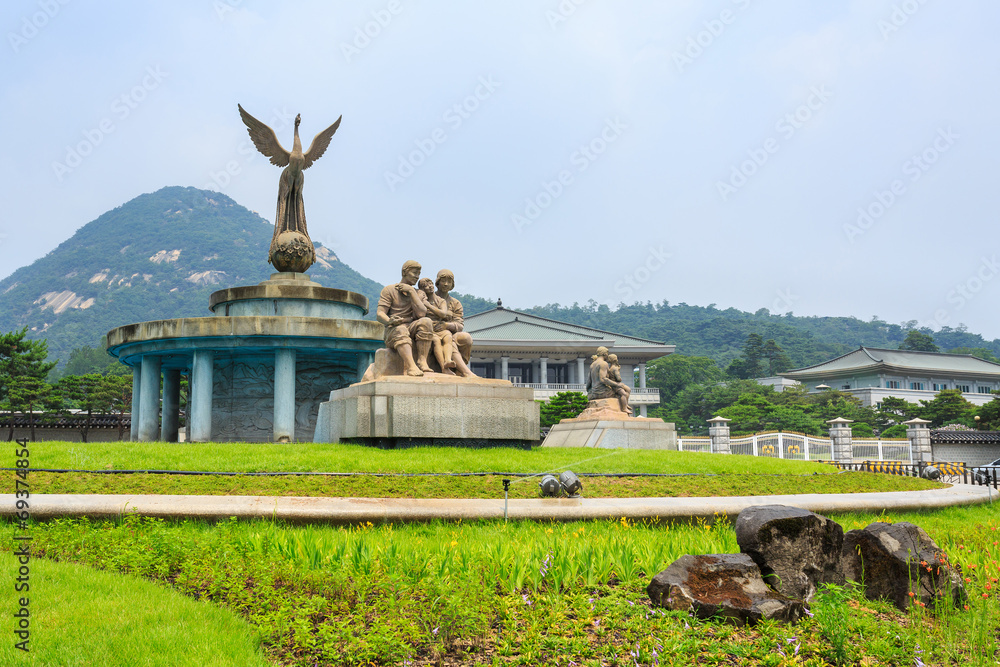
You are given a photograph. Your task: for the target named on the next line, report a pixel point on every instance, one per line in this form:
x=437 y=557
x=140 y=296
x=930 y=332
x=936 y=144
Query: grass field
x=520 y=593
x=485 y=592
x=83 y=616
x=690 y=474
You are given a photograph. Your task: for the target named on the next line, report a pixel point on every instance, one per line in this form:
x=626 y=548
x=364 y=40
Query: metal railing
x=951 y=472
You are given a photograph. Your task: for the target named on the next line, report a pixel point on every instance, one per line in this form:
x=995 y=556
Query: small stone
x=795 y=549
x=894 y=560
x=725 y=586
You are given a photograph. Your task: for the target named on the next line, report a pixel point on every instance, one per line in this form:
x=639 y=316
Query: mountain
x=157 y=256
x=161 y=254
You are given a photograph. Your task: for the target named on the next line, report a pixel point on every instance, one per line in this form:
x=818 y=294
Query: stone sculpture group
x=605 y=380
x=420 y=321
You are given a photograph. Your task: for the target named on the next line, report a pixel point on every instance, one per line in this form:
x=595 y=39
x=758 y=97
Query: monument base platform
x=603 y=426
x=433 y=410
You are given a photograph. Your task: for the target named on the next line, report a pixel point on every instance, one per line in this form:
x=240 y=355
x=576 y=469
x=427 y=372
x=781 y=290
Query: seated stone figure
x=462 y=348
x=404 y=315
x=621 y=389
x=437 y=311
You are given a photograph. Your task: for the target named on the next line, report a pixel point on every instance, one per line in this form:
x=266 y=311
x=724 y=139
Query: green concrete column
x=170 y=424
x=134 y=408
x=149 y=399
x=284 y=395
x=200 y=409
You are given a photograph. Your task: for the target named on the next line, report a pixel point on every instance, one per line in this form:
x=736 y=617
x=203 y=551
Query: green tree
x=989 y=414
x=20 y=357
x=673 y=373
x=87 y=360
x=749 y=365
x=777 y=360
x=892 y=410
x=27 y=394
x=918 y=342
x=947 y=407
x=564 y=405
x=84 y=393
x=981 y=352
x=115 y=398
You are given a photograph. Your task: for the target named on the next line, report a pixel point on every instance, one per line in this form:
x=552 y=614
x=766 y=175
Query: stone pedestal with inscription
x=401 y=411
x=604 y=426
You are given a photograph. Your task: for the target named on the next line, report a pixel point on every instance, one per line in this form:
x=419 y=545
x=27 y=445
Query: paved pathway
x=354 y=510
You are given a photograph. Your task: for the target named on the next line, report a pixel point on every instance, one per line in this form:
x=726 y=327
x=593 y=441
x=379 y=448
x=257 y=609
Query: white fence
x=797 y=446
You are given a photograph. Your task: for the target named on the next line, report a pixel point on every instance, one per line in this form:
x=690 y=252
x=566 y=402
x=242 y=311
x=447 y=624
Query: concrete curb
x=377 y=510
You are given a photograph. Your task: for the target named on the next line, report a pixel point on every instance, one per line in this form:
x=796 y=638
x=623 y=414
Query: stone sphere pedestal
x=604 y=426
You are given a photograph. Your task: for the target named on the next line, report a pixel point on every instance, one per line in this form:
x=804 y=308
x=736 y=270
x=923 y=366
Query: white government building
x=551 y=356
x=873 y=374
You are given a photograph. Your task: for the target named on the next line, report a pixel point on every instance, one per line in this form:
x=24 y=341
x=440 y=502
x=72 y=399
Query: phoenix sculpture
x=291 y=248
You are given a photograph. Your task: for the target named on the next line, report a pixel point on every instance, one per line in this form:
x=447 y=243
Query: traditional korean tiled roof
x=64 y=421
x=877 y=359
x=509 y=325
x=941 y=437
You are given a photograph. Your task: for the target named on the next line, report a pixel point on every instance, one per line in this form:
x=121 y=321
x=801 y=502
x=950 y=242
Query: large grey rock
x=795 y=549
x=893 y=560
x=726 y=586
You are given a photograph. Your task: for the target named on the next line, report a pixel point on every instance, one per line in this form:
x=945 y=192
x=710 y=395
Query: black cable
x=395 y=474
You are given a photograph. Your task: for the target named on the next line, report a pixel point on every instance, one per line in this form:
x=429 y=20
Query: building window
x=892 y=384
x=963 y=388
x=919 y=386
x=940 y=387
x=846 y=386
x=985 y=390
x=484 y=370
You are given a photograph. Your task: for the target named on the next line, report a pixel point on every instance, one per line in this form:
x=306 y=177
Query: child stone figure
x=437 y=311
x=622 y=389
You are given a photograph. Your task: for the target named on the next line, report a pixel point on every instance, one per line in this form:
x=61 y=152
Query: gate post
x=718 y=431
x=920 y=440
x=841 y=446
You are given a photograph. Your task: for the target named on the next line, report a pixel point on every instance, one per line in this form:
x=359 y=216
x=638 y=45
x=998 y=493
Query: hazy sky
x=834 y=158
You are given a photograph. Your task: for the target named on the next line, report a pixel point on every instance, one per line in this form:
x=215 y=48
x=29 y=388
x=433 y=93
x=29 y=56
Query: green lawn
x=691 y=474
x=519 y=593
x=82 y=616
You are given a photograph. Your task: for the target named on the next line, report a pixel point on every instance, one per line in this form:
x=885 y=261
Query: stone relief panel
x=243 y=396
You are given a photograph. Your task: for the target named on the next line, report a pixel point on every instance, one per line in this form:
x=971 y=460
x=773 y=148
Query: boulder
x=795 y=549
x=894 y=560
x=726 y=586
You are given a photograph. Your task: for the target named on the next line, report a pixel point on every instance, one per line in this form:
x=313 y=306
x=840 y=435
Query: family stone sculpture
x=605 y=380
x=291 y=248
x=419 y=320
x=608 y=421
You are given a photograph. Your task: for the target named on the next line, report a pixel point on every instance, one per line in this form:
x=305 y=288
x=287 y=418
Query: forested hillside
x=720 y=334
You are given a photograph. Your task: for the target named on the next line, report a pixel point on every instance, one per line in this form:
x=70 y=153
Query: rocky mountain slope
x=157 y=256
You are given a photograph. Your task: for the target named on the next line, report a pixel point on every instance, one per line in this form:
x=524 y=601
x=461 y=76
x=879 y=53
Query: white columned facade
x=543 y=370
x=642 y=385
x=581 y=374
x=503 y=367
